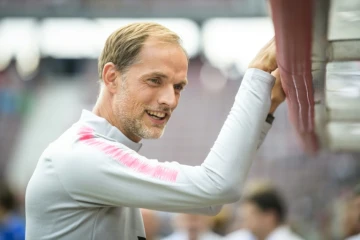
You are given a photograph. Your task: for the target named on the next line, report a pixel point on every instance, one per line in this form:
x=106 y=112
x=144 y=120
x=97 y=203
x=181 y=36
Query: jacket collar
x=103 y=127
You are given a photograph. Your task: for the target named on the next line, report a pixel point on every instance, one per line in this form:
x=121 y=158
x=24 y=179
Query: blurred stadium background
x=48 y=73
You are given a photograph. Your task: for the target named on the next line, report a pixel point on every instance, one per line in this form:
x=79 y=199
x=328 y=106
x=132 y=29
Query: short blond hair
x=123 y=46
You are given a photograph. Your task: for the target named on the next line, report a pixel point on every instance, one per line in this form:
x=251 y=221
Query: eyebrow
x=161 y=75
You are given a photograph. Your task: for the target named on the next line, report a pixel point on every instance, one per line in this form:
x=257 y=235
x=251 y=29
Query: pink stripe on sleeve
x=126 y=158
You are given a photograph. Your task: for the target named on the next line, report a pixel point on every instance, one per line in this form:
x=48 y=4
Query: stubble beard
x=134 y=124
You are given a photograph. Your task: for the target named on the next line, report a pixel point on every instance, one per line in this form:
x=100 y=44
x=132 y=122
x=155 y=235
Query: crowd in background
x=261 y=214
x=314 y=197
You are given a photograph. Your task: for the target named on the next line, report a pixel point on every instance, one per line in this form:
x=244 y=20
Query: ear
x=109 y=77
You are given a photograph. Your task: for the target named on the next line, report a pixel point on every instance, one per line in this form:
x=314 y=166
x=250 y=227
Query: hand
x=266 y=58
x=277 y=92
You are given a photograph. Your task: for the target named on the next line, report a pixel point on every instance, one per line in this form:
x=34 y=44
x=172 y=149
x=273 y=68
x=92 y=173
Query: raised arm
x=111 y=174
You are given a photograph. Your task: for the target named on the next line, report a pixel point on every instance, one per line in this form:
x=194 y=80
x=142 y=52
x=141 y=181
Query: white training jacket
x=91 y=182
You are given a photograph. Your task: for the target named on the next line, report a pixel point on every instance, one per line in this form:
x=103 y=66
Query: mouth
x=156 y=115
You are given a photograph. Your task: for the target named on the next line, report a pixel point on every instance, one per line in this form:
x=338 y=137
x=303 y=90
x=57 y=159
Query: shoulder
x=293 y=236
x=240 y=234
x=90 y=156
x=284 y=232
x=174 y=236
x=81 y=143
x=212 y=236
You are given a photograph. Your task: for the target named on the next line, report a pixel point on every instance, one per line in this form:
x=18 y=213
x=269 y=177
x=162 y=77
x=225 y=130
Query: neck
x=266 y=233
x=103 y=109
x=194 y=235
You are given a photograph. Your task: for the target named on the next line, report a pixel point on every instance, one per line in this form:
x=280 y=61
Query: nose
x=168 y=97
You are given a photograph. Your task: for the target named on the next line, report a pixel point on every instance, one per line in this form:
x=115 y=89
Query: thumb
x=276 y=73
x=277 y=92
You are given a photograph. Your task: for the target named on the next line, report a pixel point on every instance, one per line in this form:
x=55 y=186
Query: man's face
x=253 y=219
x=197 y=223
x=193 y=224
x=151 y=90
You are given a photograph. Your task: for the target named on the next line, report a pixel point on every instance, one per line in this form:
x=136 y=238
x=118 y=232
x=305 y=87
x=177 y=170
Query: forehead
x=159 y=55
x=249 y=207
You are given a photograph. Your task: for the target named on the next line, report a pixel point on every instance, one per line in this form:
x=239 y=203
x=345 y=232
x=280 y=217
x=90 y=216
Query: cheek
x=177 y=101
x=256 y=220
x=252 y=221
x=126 y=106
x=146 y=97
x=130 y=102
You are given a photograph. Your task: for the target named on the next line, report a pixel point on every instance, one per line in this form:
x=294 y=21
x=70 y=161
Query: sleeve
x=214 y=210
x=265 y=129
x=107 y=173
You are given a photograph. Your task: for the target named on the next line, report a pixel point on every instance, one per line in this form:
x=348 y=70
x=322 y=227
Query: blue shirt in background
x=13 y=228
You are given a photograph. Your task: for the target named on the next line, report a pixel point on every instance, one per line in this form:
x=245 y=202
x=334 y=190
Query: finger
x=266 y=57
x=276 y=73
x=277 y=93
x=271 y=49
x=270 y=43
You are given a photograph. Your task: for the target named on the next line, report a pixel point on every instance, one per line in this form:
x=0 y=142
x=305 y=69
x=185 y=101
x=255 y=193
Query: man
x=91 y=182
x=264 y=215
x=353 y=223
x=193 y=227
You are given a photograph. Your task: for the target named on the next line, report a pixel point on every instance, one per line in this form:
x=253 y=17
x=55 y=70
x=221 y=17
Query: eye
x=178 y=87
x=155 y=81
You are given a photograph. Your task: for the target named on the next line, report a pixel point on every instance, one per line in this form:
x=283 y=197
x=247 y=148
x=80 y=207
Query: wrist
x=274 y=106
x=270 y=118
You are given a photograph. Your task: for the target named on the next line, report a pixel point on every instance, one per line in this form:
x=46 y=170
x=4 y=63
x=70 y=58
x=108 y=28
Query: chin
x=157 y=135
x=153 y=134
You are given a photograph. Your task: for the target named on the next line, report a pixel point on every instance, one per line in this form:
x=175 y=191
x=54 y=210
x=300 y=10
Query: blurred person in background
x=240 y=234
x=264 y=215
x=237 y=230
x=353 y=221
x=12 y=226
x=223 y=220
x=151 y=224
x=91 y=181
x=193 y=227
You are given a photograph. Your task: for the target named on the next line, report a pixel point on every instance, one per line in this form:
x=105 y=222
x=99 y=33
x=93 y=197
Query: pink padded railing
x=293 y=34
